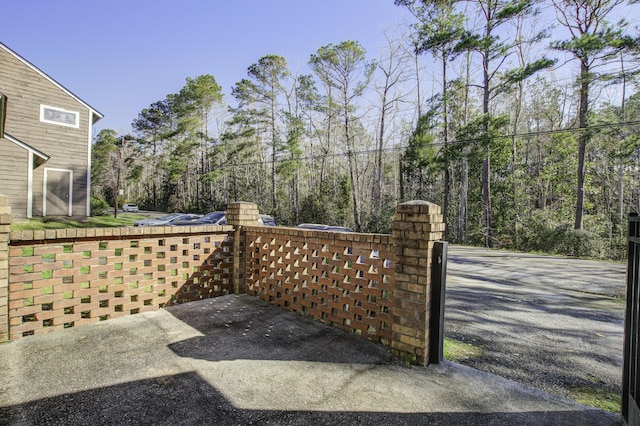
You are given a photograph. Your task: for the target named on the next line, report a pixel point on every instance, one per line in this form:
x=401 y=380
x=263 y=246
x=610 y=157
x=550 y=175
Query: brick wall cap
x=417 y=203
x=416 y=206
x=243 y=203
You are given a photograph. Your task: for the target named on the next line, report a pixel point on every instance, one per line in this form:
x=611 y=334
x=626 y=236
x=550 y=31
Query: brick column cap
x=243 y=204
x=242 y=213
x=420 y=206
x=417 y=203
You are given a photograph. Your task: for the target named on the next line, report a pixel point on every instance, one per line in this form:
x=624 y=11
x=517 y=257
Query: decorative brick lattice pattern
x=377 y=286
x=341 y=278
x=55 y=284
x=5 y=229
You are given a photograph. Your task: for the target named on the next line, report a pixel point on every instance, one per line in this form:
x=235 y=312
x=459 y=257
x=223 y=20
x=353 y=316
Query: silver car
x=213 y=218
x=321 y=227
x=167 y=220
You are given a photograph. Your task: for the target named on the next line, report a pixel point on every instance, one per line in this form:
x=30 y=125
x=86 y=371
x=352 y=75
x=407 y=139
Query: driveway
x=553 y=323
x=236 y=360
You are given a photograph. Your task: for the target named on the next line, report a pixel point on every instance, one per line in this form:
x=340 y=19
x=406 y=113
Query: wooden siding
x=68 y=147
x=13 y=176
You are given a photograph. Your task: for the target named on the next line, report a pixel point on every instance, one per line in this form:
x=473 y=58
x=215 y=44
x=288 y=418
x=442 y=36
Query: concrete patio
x=237 y=360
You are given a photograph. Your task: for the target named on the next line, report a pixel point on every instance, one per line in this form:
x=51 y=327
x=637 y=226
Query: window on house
x=53 y=115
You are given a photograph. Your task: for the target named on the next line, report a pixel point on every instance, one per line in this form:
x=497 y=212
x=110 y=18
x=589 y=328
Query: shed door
x=58 y=192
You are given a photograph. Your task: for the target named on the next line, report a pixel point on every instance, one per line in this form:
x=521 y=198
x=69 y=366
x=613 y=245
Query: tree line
x=516 y=156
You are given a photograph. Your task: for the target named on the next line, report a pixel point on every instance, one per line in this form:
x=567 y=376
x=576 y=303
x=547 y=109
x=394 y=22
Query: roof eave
x=96 y=114
x=44 y=157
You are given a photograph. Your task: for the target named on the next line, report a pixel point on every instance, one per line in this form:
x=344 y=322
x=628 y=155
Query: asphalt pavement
x=551 y=322
x=236 y=360
x=543 y=272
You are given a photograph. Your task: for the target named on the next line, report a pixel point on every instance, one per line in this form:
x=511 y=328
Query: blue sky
x=120 y=56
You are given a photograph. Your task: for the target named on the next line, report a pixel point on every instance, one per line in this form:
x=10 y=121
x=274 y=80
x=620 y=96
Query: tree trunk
x=352 y=167
x=401 y=170
x=486 y=200
x=273 y=154
x=354 y=190
x=624 y=120
x=464 y=172
x=377 y=192
x=583 y=139
x=445 y=117
x=464 y=186
x=154 y=184
x=486 y=162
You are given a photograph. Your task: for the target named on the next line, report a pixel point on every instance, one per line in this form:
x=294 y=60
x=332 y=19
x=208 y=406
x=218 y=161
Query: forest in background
x=527 y=135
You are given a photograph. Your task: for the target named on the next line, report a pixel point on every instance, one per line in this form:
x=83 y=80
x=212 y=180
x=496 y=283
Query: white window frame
x=75 y=125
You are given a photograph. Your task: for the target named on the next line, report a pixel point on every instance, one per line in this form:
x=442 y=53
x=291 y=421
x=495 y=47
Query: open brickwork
x=343 y=279
x=57 y=283
x=377 y=286
x=5 y=230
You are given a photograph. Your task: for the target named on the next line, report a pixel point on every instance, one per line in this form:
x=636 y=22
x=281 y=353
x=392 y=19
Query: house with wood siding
x=45 y=150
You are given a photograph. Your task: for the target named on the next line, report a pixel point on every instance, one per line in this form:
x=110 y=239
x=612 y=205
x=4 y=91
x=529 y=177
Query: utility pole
x=118 y=179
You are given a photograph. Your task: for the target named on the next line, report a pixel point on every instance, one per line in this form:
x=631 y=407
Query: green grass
x=597 y=397
x=620 y=297
x=457 y=351
x=124 y=219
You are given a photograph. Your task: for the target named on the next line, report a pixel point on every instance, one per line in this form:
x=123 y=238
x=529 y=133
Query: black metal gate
x=438 y=289
x=631 y=366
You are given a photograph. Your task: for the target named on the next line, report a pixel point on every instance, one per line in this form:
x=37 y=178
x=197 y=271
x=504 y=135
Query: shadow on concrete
x=249 y=328
x=212 y=275
x=185 y=399
x=148 y=369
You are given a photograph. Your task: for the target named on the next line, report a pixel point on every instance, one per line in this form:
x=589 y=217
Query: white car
x=130 y=208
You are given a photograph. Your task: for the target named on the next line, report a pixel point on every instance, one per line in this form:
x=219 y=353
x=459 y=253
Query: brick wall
x=417 y=225
x=67 y=278
x=5 y=229
x=378 y=286
x=344 y=279
x=240 y=214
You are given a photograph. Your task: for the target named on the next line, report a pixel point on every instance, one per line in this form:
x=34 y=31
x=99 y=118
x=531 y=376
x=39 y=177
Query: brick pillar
x=416 y=226
x=239 y=215
x=5 y=229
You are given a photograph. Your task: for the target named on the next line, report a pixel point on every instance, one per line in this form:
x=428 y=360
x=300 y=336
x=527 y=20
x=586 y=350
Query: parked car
x=167 y=220
x=320 y=227
x=316 y=226
x=130 y=208
x=213 y=218
x=339 y=229
x=266 y=220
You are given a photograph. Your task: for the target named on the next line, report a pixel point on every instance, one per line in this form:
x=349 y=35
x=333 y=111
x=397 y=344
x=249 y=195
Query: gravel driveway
x=553 y=323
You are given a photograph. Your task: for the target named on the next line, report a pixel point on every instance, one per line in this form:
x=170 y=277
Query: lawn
x=124 y=219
